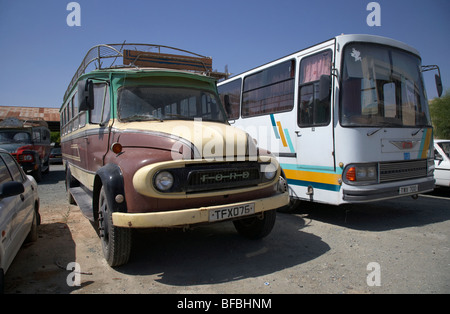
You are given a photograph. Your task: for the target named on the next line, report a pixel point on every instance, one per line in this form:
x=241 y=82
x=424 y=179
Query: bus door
x=314 y=129
x=97 y=138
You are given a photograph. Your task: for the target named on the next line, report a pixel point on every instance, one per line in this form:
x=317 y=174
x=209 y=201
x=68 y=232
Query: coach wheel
x=116 y=242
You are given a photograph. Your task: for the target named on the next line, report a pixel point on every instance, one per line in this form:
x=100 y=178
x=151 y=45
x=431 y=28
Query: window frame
x=267 y=109
x=315 y=91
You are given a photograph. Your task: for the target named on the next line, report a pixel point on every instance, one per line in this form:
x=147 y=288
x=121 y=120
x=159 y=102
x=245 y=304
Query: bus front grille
x=222 y=178
x=395 y=171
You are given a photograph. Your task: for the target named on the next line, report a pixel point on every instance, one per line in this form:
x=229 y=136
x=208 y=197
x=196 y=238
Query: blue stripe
x=316 y=185
x=311 y=168
x=274 y=125
x=288 y=139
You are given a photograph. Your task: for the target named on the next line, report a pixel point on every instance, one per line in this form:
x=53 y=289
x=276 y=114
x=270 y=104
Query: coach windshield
x=382 y=86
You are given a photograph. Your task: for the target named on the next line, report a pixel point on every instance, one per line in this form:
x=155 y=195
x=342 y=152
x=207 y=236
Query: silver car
x=19 y=211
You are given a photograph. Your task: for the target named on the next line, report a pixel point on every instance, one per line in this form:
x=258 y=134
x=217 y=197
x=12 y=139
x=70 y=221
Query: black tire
x=37 y=174
x=116 y=242
x=47 y=167
x=33 y=234
x=256 y=227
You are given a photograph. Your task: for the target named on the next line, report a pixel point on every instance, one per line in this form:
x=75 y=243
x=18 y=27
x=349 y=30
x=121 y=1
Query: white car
x=19 y=211
x=442 y=162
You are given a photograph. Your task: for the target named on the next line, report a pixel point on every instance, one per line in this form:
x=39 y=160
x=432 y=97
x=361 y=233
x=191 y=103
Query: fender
x=111 y=178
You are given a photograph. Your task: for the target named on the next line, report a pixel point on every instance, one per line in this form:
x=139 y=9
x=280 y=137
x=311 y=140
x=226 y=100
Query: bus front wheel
x=116 y=242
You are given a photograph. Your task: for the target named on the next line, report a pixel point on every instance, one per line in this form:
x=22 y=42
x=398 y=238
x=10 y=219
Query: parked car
x=442 y=162
x=29 y=142
x=56 y=156
x=19 y=210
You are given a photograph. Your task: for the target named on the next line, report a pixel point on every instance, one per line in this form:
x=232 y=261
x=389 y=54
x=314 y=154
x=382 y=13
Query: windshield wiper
x=414 y=133
x=373 y=132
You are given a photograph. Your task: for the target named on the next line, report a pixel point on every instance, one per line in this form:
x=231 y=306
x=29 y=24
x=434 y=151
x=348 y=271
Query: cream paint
x=212 y=140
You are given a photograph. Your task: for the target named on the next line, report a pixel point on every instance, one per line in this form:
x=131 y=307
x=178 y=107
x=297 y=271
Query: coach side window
x=312 y=111
x=270 y=90
x=101 y=111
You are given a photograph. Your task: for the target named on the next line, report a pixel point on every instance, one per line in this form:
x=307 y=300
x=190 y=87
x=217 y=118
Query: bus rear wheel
x=116 y=242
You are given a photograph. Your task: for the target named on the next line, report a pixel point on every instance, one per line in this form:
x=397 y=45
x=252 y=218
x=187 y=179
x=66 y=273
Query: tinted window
x=4 y=173
x=269 y=91
x=312 y=111
x=13 y=168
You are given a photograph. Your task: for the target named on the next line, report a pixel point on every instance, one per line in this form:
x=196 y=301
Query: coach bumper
x=389 y=191
x=199 y=215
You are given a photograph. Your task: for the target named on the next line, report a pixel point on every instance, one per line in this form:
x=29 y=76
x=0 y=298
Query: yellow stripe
x=426 y=145
x=319 y=177
x=280 y=130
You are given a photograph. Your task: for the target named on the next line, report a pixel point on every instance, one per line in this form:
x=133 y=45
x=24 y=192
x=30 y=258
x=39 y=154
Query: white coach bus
x=348 y=119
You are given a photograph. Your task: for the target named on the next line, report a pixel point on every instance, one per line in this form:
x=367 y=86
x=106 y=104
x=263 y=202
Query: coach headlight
x=269 y=170
x=163 y=181
x=361 y=174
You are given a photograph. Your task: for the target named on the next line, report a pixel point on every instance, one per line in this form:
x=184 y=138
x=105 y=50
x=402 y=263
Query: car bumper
x=192 y=216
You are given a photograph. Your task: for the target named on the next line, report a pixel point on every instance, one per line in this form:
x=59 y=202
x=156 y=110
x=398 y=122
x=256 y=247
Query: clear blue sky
x=39 y=52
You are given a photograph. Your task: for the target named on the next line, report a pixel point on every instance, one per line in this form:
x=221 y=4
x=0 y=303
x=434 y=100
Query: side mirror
x=438 y=84
x=11 y=188
x=85 y=95
x=324 y=87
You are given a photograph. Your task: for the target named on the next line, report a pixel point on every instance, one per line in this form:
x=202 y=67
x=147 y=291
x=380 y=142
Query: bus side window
x=311 y=111
x=269 y=91
x=101 y=111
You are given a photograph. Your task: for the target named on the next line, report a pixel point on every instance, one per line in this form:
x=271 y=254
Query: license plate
x=231 y=212
x=408 y=189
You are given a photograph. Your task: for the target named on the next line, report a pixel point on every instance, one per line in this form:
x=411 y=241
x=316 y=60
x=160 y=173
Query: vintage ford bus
x=347 y=119
x=146 y=144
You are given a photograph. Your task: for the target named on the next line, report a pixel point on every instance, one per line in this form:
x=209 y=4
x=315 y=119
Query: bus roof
x=344 y=39
x=138 y=56
x=378 y=40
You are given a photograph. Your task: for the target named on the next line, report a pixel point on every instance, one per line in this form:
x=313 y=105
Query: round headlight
x=164 y=181
x=269 y=171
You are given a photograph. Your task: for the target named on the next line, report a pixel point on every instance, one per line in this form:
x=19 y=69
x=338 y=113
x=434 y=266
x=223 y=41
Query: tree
x=440 y=116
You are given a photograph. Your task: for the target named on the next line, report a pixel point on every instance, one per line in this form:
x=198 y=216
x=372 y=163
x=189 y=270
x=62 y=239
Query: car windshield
x=445 y=146
x=382 y=86
x=14 y=136
x=147 y=103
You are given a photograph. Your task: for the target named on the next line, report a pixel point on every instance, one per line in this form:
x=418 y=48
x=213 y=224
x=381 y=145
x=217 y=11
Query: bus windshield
x=382 y=86
x=14 y=136
x=147 y=103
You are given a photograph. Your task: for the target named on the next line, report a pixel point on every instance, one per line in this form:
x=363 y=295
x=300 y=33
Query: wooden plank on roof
x=163 y=60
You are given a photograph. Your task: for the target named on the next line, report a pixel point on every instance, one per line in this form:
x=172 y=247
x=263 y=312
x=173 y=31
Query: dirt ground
x=316 y=249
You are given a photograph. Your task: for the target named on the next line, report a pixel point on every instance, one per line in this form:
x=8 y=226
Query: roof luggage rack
x=22 y=122
x=144 y=55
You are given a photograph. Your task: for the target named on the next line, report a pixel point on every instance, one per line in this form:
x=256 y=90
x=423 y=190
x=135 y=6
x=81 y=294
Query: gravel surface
x=397 y=246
